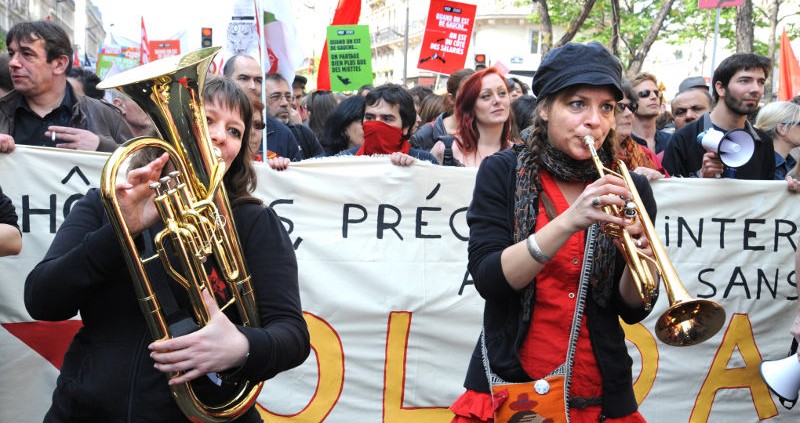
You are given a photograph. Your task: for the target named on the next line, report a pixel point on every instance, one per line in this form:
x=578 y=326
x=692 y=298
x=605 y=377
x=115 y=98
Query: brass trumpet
x=198 y=225
x=687 y=321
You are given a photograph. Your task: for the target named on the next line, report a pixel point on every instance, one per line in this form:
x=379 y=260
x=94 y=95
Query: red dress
x=545 y=346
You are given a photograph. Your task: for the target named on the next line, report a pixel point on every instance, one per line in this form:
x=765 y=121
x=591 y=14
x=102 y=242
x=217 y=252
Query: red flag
x=76 y=59
x=347 y=13
x=144 y=47
x=788 y=71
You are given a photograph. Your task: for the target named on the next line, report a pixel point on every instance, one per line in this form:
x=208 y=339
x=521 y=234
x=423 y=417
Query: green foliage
x=684 y=24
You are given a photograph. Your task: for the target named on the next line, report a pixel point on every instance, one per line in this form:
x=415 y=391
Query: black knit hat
x=577 y=64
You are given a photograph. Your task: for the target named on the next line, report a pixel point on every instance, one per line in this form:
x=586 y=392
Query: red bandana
x=382 y=138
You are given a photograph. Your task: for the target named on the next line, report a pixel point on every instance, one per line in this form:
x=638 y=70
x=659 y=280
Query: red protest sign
x=164 y=48
x=447 y=36
x=713 y=4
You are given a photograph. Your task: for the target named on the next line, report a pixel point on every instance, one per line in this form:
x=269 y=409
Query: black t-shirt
x=29 y=128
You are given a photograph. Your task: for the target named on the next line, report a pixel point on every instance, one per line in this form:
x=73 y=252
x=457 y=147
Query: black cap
x=300 y=80
x=577 y=64
x=693 y=82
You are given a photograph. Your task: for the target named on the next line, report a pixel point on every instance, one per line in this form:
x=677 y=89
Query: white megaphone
x=783 y=378
x=734 y=148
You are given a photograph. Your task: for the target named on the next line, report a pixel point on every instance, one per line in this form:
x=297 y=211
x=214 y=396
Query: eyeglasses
x=646 y=93
x=633 y=107
x=277 y=97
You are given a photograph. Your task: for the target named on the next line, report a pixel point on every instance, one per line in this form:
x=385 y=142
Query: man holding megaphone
x=722 y=143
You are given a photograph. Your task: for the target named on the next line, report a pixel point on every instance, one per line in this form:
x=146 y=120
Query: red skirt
x=476 y=407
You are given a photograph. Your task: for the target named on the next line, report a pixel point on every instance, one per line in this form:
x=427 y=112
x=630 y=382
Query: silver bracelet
x=535 y=251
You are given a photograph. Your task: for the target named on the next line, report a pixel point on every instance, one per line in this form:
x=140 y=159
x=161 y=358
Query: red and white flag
x=144 y=47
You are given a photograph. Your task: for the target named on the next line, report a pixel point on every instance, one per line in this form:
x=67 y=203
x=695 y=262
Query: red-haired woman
x=483 y=116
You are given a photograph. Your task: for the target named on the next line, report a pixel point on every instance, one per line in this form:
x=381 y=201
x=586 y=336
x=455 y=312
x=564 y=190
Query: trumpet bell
x=690 y=322
x=782 y=378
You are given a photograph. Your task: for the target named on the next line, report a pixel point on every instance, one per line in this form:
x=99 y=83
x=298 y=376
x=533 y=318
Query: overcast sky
x=166 y=18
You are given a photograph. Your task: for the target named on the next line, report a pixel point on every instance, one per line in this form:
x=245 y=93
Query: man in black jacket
x=279 y=105
x=738 y=86
x=43 y=109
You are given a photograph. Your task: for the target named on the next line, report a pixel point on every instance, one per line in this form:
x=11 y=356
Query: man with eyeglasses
x=648 y=106
x=279 y=106
x=738 y=86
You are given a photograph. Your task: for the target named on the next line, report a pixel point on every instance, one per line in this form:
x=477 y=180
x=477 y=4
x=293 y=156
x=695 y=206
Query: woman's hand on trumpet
x=589 y=207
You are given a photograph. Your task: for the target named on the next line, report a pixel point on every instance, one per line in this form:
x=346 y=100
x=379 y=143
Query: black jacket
x=684 y=155
x=491 y=220
x=107 y=374
x=88 y=113
x=307 y=141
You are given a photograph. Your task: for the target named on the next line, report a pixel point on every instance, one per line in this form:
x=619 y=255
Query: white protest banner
x=382 y=258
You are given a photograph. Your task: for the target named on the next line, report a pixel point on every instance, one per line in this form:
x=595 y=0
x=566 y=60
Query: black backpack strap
x=448 y=159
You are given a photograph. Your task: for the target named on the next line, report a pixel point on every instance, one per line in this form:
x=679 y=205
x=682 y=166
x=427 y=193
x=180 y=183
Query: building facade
x=90 y=33
x=502 y=31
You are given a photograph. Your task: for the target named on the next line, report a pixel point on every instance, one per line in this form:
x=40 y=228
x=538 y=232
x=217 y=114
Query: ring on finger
x=596 y=202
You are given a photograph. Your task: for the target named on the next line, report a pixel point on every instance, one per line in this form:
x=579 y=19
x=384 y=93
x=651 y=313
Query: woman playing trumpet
x=534 y=208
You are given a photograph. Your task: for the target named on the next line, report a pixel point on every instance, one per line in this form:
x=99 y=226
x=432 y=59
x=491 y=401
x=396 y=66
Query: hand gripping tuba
x=687 y=321
x=198 y=223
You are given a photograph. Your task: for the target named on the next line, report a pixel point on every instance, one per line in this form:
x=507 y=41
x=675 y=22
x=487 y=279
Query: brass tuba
x=687 y=321
x=198 y=223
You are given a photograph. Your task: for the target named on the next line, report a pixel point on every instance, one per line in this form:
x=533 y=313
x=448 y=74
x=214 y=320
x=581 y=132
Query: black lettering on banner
x=722 y=223
x=697 y=239
x=788 y=235
x=763 y=280
x=383 y=225
x=421 y=223
x=792 y=280
x=453 y=226
x=748 y=233
x=27 y=212
x=72 y=199
x=346 y=221
x=737 y=279
x=466 y=281
x=706 y=283
x=288 y=223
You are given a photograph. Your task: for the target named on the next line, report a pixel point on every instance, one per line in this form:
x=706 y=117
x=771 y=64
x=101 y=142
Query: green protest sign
x=349 y=56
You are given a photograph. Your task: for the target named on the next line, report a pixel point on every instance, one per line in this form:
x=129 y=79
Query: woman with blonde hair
x=781 y=120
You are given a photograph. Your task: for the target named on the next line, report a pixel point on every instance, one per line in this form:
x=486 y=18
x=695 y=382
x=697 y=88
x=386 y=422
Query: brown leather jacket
x=99 y=117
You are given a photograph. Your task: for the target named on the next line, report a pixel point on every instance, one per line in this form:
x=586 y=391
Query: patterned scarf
x=526 y=204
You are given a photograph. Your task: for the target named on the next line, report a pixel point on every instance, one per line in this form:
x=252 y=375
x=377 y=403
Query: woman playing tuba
x=113 y=370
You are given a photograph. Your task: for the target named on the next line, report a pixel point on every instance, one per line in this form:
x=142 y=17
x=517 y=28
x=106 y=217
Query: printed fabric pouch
x=544 y=400
x=539 y=401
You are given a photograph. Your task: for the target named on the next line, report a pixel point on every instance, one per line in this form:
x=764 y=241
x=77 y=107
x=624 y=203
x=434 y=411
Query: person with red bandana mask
x=388 y=119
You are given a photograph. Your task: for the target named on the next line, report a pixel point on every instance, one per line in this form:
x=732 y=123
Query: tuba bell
x=198 y=222
x=687 y=321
